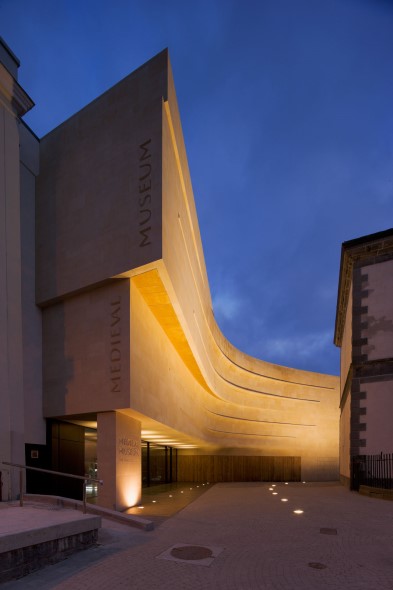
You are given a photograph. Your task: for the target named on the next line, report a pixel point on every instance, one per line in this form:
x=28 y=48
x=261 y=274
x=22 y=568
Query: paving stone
x=265 y=545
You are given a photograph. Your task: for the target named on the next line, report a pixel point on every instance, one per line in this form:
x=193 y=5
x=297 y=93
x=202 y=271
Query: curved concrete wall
x=187 y=384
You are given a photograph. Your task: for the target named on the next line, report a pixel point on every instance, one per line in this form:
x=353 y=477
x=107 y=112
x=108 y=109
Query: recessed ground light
x=182 y=492
x=298 y=511
x=190 y=488
x=154 y=501
x=303 y=482
x=273 y=485
x=271 y=489
x=284 y=499
x=317 y=566
x=275 y=494
x=170 y=495
x=286 y=483
x=197 y=486
x=141 y=507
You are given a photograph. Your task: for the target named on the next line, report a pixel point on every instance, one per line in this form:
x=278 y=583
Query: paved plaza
x=238 y=536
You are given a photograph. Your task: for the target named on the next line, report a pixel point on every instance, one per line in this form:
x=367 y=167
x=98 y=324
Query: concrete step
x=33 y=537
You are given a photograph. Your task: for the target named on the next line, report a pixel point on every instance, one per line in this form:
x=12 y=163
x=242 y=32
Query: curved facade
x=129 y=340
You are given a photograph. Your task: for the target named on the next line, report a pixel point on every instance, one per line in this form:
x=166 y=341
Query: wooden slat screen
x=216 y=468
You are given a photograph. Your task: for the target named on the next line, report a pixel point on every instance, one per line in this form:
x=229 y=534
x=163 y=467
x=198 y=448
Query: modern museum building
x=111 y=361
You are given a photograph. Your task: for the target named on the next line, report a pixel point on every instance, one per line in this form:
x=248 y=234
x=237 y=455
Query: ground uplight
x=284 y=499
x=298 y=511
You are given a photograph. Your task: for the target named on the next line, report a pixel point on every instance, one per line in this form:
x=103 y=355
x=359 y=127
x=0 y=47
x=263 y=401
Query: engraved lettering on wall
x=129 y=449
x=144 y=193
x=115 y=345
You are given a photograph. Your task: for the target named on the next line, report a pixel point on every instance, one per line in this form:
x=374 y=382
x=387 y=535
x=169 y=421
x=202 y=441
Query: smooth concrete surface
x=342 y=541
x=94 y=219
x=86 y=349
x=57 y=502
x=115 y=201
x=11 y=346
x=20 y=321
x=119 y=460
x=34 y=426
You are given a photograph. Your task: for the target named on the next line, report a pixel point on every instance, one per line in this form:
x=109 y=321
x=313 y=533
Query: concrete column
x=14 y=103
x=119 y=460
x=11 y=359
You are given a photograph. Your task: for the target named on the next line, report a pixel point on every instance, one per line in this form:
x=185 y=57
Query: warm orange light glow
x=154 y=293
x=129 y=491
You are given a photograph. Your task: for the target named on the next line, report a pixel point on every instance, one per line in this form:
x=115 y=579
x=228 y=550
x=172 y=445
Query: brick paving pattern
x=265 y=544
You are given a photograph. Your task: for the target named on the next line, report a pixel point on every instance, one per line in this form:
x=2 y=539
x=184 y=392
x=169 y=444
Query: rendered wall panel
x=378 y=296
x=86 y=348
x=99 y=188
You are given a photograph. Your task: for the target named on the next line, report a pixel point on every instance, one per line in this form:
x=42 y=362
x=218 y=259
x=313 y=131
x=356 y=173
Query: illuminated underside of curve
x=236 y=401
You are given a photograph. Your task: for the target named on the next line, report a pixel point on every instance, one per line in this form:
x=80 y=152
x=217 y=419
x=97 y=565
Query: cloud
x=227 y=305
x=302 y=347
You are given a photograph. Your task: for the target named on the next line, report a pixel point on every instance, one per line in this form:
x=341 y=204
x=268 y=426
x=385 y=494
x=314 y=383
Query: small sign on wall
x=129 y=448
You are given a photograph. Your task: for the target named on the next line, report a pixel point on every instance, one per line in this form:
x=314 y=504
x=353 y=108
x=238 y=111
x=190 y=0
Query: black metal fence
x=375 y=471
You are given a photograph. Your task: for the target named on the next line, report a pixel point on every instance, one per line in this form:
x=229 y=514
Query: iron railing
x=375 y=471
x=86 y=479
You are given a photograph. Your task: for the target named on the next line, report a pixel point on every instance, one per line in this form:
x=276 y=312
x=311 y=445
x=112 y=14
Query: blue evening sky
x=287 y=113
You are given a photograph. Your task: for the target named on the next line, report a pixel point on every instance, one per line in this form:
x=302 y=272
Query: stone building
x=364 y=332
x=111 y=360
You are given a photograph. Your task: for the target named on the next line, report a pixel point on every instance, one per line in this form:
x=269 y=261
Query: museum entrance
x=159 y=464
